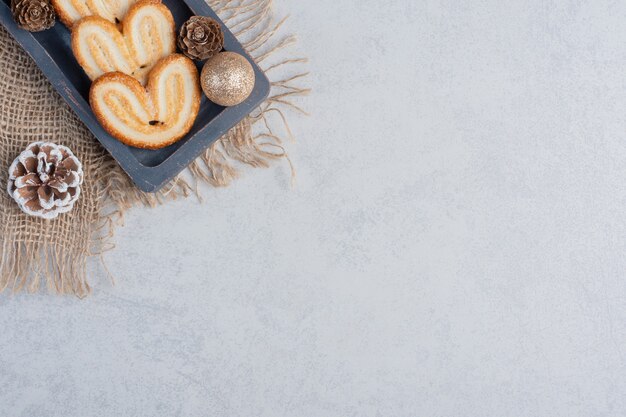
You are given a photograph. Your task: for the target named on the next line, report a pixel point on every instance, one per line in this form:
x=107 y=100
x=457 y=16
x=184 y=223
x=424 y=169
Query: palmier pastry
x=150 y=117
x=70 y=11
x=147 y=35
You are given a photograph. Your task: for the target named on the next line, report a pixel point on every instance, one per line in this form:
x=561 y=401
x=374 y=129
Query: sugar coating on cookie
x=150 y=117
x=70 y=11
x=146 y=36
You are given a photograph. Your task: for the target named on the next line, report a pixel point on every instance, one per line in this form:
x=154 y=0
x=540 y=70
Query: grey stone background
x=454 y=245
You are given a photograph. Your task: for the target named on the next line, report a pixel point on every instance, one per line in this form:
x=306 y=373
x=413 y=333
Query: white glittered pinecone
x=45 y=180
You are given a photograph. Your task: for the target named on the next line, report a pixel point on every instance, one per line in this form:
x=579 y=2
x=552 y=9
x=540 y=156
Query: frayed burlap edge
x=255 y=142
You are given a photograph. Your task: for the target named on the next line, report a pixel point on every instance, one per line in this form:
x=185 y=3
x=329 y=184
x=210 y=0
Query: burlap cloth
x=35 y=252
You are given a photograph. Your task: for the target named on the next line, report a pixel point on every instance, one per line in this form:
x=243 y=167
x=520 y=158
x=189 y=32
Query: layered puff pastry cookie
x=70 y=11
x=147 y=35
x=150 y=117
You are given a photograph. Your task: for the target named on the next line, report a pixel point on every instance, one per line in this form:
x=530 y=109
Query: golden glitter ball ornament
x=227 y=79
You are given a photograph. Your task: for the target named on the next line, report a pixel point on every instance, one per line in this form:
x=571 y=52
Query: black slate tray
x=149 y=169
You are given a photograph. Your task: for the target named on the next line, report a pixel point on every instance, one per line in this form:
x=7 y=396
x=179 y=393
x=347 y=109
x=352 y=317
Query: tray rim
x=146 y=178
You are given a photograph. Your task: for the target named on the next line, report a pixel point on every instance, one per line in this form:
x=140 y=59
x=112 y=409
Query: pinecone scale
x=45 y=180
x=201 y=38
x=33 y=15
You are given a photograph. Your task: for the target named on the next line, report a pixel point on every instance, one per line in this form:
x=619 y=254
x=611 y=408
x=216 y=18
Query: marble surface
x=454 y=245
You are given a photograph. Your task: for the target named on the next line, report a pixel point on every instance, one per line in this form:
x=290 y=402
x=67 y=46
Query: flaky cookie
x=70 y=11
x=152 y=117
x=147 y=35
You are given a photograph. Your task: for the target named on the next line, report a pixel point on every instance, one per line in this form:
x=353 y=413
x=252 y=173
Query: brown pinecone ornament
x=45 y=180
x=33 y=15
x=200 y=38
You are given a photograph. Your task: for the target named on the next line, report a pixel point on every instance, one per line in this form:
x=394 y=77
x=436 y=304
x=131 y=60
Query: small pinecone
x=45 y=180
x=33 y=15
x=200 y=38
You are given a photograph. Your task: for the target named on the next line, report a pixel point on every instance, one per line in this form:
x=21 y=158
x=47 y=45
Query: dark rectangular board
x=150 y=170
